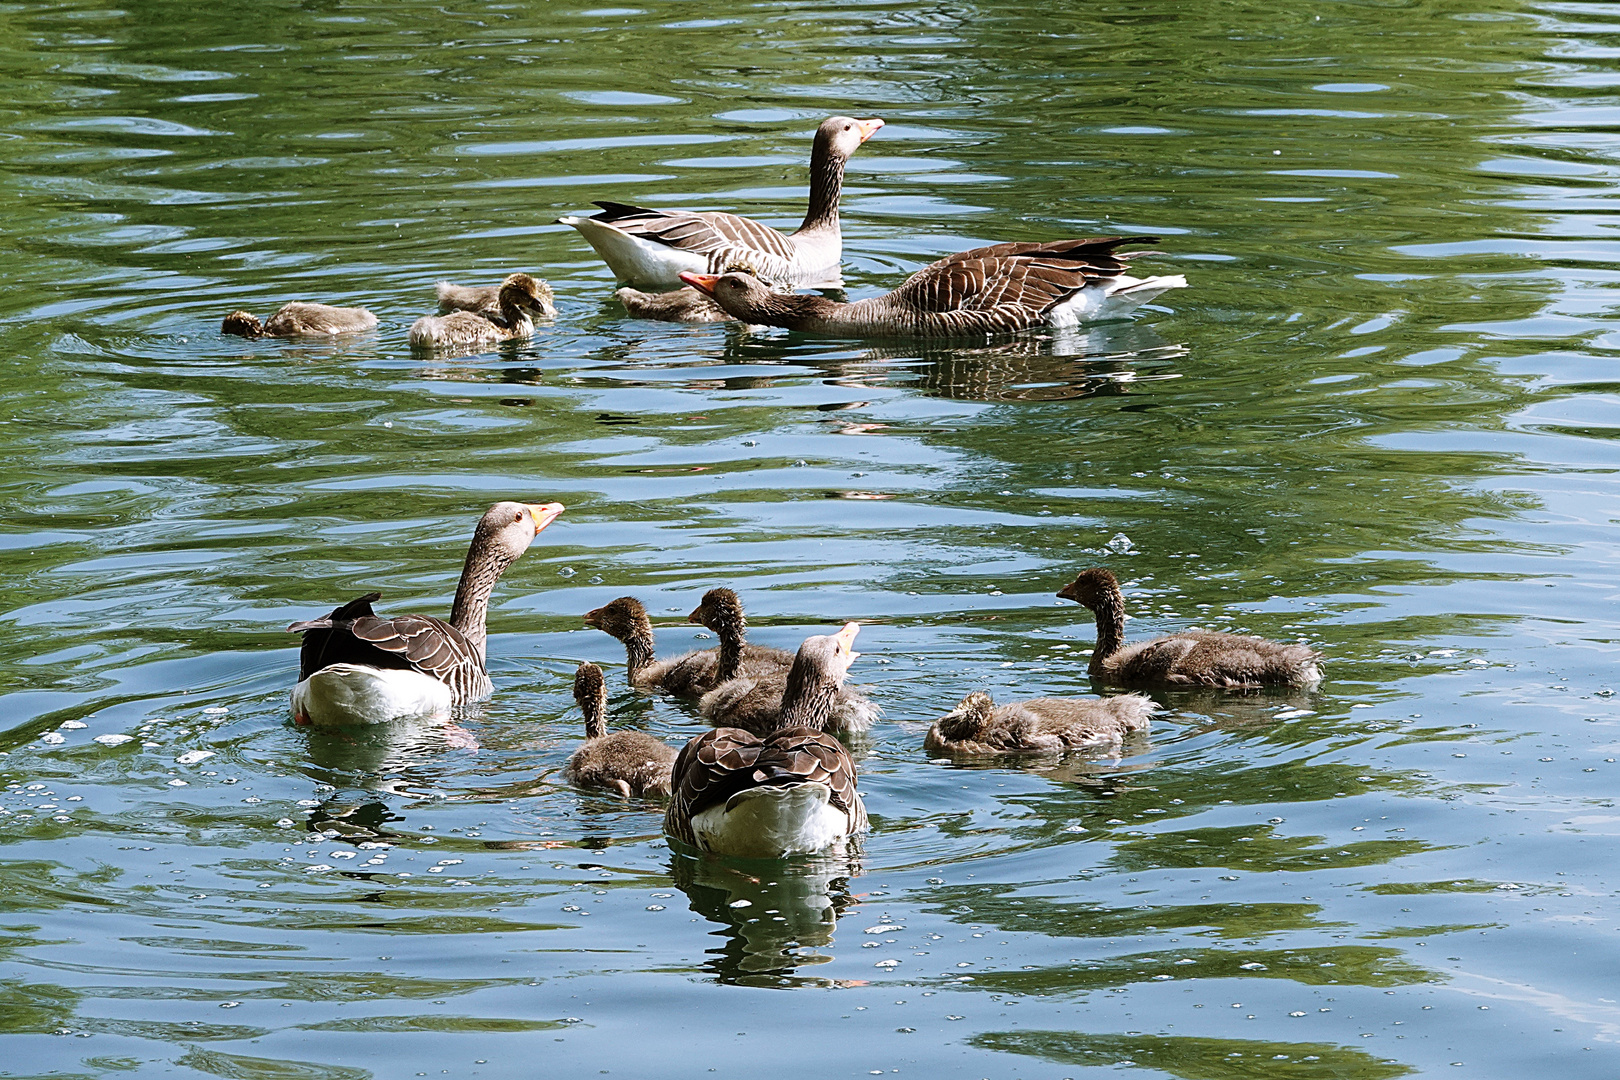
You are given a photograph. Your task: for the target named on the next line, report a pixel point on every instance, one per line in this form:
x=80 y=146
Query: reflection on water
x=1197 y=1058
x=775 y=917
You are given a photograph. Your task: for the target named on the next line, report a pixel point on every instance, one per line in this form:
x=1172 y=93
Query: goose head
x=528 y=294
x=622 y=618
x=242 y=324
x=968 y=719
x=508 y=528
x=1090 y=587
x=843 y=135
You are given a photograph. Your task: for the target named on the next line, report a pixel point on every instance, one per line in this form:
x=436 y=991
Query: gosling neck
x=595 y=710
x=518 y=323
x=732 y=627
x=1110 y=613
x=479 y=574
x=638 y=645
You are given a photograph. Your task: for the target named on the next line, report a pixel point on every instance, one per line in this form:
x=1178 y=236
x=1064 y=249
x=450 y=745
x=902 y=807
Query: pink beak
x=544 y=513
x=869 y=128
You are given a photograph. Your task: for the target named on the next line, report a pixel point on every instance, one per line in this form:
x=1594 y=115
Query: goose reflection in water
x=387 y=755
x=774 y=916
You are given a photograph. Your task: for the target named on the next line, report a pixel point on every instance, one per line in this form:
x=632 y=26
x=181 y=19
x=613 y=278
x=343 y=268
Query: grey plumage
x=1003 y=288
x=298 y=319
x=1196 y=657
x=521 y=298
x=628 y=762
x=1038 y=725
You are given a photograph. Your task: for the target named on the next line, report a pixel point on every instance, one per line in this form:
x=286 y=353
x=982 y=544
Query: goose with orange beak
x=1001 y=289
x=789 y=793
x=649 y=249
x=358 y=667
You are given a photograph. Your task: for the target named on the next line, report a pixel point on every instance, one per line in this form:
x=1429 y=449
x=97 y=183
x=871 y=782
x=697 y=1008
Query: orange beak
x=544 y=513
x=846 y=638
x=869 y=128
x=701 y=282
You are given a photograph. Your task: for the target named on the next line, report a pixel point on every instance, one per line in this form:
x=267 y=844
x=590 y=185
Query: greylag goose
x=999 y=289
x=648 y=249
x=749 y=681
x=790 y=793
x=485 y=300
x=296 y=319
x=521 y=299
x=357 y=667
x=688 y=675
x=629 y=762
x=1038 y=725
x=1197 y=657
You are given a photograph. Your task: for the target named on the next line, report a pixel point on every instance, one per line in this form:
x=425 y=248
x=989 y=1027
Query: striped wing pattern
x=431 y=646
x=721 y=238
x=1008 y=286
x=716 y=765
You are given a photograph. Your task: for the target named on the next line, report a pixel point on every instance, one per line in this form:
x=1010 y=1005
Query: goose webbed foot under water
x=628 y=762
x=299 y=320
x=357 y=667
x=1000 y=289
x=1192 y=657
x=1039 y=725
x=790 y=792
x=521 y=299
x=648 y=249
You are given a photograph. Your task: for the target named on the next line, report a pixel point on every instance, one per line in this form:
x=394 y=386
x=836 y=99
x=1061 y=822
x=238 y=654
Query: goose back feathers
x=297 y=319
x=1003 y=288
x=790 y=792
x=357 y=667
x=1038 y=725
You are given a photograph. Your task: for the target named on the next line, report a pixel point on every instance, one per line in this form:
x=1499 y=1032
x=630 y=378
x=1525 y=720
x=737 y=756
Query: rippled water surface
x=1382 y=420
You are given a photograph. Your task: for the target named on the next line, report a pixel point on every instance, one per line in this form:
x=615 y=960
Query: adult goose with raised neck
x=357 y=667
x=648 y=249
x=628 y=762
x=1000 y=289
x=791 y=792
x=1196 y=657
x=1039 y=725
x=749 y=681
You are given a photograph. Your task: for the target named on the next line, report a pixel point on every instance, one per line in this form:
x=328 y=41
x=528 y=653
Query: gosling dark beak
x=696 y=616
x=701 y=282
x=593 y=617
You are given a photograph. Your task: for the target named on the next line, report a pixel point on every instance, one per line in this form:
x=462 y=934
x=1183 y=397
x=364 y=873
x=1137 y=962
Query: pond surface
x=1382 y=420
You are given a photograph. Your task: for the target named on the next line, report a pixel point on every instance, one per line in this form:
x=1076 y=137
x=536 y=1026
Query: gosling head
x=1090 y=587
x=590 y=693
x=623 y=618
x=720 y=611
x=528 y=294
x=242 y=324
x=964 y=722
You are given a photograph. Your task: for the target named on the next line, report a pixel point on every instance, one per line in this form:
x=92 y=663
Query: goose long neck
x=482 y=570
x=792 y=311
x=1110 y=613
x=807 y=700
x=826 y=184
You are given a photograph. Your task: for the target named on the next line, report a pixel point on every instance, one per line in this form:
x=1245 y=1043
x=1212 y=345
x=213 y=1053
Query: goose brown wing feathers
x=718 y=764
x=429 y=645
x=702 y=233
x=1032 y=276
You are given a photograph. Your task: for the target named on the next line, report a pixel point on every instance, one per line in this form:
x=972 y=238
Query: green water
x=1381 y=419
